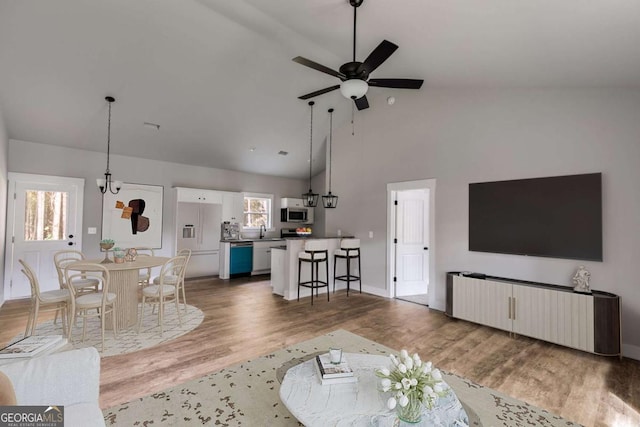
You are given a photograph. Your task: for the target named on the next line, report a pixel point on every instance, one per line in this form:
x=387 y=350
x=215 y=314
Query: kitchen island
x=284 y=267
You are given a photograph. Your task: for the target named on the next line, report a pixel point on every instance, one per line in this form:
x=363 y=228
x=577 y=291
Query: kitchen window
x=257 y=211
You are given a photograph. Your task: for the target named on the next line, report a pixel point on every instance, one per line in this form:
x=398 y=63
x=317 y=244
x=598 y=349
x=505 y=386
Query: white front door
x=412 y=234
x=44 y=215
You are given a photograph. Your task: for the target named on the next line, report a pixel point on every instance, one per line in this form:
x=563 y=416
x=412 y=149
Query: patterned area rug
x=248 y=394
x=128 y=340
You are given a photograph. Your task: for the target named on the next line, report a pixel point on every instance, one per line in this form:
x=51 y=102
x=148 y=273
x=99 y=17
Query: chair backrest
x=86 y=270
x=33 y=280
x=350 y=244
x=174 y=268
x=316 y=245
x=61 y=259
x=185 y=253
x=144 y=251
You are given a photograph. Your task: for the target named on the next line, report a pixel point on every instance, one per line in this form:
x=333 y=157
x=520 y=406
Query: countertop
x=276 y=239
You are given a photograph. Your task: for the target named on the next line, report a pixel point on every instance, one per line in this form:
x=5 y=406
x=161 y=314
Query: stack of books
x=32 y=346
x=330 y=373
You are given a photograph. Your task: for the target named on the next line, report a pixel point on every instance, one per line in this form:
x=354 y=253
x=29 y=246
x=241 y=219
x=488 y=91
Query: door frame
x=12 y=179
x=392 y=189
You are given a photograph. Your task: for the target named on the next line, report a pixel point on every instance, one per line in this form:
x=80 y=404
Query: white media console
x=557 y=314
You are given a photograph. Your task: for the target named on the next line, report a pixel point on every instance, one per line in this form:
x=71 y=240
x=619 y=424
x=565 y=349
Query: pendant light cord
x=310 y=142
x=109 y=136
x=330 y=143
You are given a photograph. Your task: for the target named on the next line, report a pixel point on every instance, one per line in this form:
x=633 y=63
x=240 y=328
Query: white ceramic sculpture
x=581 y=280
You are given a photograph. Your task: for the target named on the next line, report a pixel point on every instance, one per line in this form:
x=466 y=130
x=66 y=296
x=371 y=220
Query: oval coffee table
x=355 y=404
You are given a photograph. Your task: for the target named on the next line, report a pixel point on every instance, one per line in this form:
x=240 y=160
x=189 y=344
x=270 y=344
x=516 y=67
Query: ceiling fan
x=355 y=75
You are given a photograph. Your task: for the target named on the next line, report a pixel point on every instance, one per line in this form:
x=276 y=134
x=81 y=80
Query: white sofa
x=68 y=378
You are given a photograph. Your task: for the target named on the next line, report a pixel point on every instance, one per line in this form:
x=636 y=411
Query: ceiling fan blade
x=396 y=83
x=378 y=56
x=319 y=92
x=361 y=103
x=308 y=63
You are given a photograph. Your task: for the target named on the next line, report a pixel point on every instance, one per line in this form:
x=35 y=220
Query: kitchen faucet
x=262 y=227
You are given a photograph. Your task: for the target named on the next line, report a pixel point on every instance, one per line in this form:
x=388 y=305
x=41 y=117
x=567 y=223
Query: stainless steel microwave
x=294 y=215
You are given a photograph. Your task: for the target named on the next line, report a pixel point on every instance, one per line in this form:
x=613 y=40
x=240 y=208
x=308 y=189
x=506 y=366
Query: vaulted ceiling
x=217 y=75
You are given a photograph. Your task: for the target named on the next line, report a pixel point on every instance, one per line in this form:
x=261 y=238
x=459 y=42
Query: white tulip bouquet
x=413 y=384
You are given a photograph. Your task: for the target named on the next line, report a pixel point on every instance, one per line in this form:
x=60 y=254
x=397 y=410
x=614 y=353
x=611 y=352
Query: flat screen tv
x=558 y=217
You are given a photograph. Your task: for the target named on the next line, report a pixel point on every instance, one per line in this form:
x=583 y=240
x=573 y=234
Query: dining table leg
x=124 y=283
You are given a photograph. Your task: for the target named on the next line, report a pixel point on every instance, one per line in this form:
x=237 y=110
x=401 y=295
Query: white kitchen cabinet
x=197 y=195
x=262 y=255
x=290 y=202
x=232 y=206
x=278 y=257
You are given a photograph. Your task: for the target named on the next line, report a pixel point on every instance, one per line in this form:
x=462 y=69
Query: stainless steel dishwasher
x=241 y=259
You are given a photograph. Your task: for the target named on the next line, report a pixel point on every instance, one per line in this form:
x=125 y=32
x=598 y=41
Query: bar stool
x=315 y=252
x=349 y=249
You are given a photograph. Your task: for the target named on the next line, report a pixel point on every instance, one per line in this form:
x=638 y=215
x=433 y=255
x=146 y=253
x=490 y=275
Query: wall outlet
x=371 y=234
x=92 y=230
x=339 y=232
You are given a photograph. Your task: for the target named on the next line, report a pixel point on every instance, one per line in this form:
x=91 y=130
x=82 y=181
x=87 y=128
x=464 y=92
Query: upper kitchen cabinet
x=232 y=206
x=290 y=202
x=196 y=195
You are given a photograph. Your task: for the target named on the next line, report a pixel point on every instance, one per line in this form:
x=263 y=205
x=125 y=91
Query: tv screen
x=558 y=217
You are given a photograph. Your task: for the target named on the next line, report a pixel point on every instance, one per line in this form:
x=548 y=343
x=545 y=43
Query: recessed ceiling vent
x=283 y=153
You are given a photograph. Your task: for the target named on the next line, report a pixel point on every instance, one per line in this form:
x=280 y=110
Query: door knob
x=71 y=236
x=426 y=248
x=70 y=243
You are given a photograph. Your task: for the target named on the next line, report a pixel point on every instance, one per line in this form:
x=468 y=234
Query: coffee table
x=355 y=404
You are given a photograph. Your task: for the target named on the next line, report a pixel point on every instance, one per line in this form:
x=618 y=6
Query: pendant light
x=310 y=199
x=329 y=200
x=106 y=183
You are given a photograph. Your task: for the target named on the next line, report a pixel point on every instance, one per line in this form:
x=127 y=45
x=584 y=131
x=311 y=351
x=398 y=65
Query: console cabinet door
x=535 y=312
x=562 y=318
x=482 y=301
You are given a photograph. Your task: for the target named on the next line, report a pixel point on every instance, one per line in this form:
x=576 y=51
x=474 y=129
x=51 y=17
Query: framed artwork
x=133 y=217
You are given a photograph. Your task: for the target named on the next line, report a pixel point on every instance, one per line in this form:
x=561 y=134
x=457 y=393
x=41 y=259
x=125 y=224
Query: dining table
x=124 y=278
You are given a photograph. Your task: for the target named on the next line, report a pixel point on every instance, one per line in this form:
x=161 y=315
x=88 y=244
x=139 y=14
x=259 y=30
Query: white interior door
x=412 y=247
x=44 y=215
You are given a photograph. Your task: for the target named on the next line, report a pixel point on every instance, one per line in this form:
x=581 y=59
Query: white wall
x=464 y=136
x=4 y=148
x=28 y=157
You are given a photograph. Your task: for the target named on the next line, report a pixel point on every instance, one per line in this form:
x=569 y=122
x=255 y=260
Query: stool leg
x=326 y=266
x=359 y=271
x=334 y=275
x=299 y=269
x=311 y=279
x=348 y=272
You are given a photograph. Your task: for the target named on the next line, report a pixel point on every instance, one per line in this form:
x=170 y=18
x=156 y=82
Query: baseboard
x=375 y=291
x=631 y=351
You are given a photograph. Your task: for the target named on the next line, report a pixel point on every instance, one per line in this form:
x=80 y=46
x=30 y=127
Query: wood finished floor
x=243 y=320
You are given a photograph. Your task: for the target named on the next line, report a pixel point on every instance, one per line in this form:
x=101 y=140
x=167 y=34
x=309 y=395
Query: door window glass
x=45 y=215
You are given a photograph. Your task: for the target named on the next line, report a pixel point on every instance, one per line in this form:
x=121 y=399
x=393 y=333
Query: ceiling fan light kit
x=106 y=184
x=354 y=75
x=354 y=88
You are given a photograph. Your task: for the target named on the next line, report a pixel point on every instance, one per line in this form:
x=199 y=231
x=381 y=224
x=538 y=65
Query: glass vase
x=412 y=413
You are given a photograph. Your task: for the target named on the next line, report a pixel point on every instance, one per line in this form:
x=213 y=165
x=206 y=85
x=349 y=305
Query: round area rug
x=128 y=340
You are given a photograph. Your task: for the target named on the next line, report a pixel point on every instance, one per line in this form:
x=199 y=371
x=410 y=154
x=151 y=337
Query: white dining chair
x=102 y=301
x=57 y=299
x=165 y=289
